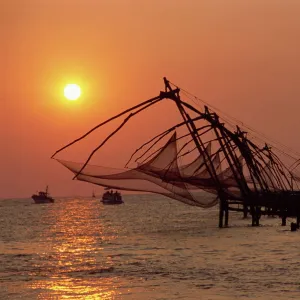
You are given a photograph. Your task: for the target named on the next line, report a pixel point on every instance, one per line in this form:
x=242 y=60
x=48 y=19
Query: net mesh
x=162 y=175
x=223 y=161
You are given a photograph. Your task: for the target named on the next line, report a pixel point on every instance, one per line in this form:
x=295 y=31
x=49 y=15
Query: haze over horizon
x=240 y=56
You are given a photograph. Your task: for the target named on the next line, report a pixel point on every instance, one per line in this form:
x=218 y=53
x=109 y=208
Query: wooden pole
x=283 y=221
x=245 y=210
x=226 y=214
x=221 y=213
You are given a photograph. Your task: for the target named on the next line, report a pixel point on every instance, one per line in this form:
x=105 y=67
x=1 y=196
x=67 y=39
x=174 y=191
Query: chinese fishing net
x=162 y=175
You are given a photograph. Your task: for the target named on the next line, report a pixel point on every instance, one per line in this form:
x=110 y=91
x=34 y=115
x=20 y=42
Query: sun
x=72 y=91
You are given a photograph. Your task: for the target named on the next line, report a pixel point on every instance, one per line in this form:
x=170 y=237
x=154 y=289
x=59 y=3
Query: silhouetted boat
x=112 y=198
x=42 y=197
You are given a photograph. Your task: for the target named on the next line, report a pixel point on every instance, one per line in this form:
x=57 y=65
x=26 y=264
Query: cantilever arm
x=153 y=101
x=107 y=121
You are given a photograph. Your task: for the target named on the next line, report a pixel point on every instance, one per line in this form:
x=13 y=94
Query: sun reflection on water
x=75 y=266
x=66 y=288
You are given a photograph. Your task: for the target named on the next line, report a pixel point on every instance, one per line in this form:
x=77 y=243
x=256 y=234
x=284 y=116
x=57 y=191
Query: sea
x=150 y=247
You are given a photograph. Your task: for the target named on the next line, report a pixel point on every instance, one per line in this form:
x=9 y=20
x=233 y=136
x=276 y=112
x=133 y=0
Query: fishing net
x=162 y=175
x=224 y=162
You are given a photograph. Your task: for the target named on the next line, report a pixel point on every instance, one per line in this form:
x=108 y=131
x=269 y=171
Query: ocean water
x=148 y=248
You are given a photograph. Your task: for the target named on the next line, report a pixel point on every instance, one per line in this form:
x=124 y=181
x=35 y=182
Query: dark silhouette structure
x=220 y=159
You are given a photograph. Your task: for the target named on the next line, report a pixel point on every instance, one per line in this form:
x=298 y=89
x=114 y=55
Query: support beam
x=226 y=216
x=245 y=211
x=221 y=215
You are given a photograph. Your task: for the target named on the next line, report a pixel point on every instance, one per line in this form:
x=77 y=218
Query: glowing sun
x=72 y=91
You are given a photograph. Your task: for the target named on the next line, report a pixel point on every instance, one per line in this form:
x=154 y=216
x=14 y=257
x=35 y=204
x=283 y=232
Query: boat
x=112 y=198
x=42 y=197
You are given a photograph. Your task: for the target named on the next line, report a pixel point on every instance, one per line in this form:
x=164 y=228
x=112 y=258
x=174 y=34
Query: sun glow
x=72 y=91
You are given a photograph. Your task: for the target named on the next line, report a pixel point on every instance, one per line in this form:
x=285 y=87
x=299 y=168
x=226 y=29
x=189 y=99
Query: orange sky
x=241 y=56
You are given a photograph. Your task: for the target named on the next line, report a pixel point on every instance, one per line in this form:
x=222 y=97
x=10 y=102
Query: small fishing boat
x=42 y=197
x=112 y=198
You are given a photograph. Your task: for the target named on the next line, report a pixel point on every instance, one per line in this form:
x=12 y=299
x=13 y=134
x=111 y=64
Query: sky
x=240 y=56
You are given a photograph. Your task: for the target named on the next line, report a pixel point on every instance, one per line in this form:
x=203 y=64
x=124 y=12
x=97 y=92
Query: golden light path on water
x=72 y=270
x=80 y=289
x=149 y=248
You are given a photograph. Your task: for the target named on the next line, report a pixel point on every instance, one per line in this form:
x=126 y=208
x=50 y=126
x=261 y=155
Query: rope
x=230 y=119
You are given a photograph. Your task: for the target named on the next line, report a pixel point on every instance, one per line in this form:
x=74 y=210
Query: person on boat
x=116 y=195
